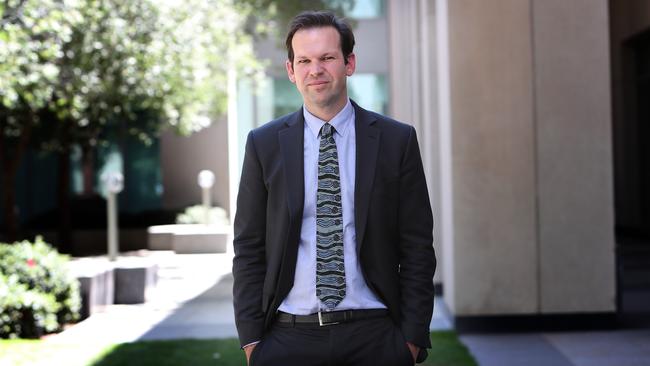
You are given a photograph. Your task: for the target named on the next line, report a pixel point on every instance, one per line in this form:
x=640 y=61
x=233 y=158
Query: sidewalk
x=193 y=299
x=606 y=348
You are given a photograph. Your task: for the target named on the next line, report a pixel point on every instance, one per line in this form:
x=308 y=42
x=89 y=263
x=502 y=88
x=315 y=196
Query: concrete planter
x=129 y=280
x=188 y=239
x=97 y=284
x=135 y=279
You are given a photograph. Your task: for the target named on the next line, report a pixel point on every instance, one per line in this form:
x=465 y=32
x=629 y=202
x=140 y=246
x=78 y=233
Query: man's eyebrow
x=324 y=54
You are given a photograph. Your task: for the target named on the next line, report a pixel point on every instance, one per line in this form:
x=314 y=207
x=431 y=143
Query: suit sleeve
x=249 y=263
x=417 y=257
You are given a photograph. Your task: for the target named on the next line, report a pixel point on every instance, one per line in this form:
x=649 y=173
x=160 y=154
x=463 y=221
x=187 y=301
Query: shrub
x=37 y=292
x=23 y=312
x=196 y=215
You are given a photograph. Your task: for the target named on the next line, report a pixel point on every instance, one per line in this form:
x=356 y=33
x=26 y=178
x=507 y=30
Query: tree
x=85 y=66
x=32 y=36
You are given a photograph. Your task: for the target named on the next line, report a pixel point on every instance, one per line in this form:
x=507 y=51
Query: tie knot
x=326 y=130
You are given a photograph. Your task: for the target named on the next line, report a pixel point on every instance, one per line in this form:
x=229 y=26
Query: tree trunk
x=88 y=169
x=63 y=192
x=10 y=164
x=9 y=205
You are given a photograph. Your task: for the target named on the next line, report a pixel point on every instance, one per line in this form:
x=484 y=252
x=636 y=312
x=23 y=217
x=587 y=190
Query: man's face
x=319 y=69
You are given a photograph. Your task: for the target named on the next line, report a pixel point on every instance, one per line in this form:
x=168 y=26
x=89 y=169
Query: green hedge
x=196 y=215
x=37 y=292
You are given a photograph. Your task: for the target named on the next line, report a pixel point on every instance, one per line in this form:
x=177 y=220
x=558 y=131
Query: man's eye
x=303 y=61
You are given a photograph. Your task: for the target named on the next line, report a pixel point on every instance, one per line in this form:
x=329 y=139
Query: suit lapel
x=368 y=137
x=291 y=147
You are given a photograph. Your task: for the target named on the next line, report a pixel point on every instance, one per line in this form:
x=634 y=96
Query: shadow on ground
x=207 y=316
x=198 y=332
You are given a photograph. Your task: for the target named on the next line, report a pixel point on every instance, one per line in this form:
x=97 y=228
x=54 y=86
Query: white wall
x=182 y=158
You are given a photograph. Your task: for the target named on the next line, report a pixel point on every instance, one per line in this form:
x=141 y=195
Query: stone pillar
x=495 y=261
x=413 y=76
x=512 y=102
x=572 y=90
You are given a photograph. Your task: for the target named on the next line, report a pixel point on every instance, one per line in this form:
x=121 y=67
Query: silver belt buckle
x=320 y=320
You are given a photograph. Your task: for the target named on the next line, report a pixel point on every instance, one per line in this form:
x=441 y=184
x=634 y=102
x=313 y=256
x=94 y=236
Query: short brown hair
x=314 y=19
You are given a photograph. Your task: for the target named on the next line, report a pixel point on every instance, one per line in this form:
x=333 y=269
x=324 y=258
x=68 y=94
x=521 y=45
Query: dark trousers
x=371 y=342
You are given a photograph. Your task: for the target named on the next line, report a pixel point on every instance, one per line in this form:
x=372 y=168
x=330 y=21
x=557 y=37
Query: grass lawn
x=22 y=352
x=446 y=351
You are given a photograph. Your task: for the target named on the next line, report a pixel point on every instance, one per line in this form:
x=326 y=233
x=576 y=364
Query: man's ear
x=290 y=73
x=351 y=65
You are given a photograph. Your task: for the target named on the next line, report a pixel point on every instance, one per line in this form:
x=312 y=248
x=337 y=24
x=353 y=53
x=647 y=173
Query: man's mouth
x=317 y=83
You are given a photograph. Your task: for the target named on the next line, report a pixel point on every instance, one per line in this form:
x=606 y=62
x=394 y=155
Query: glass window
x=286 y=99
x=368 y=90
x=365 y=9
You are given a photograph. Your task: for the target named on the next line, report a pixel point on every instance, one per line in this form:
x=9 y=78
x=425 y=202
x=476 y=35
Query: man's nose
x=316 y=68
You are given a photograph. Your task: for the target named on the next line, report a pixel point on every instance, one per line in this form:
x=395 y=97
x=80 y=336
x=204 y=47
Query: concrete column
x=413 y=91
x=444 y=178
x=404 y=60
x=574 y=155
x=512 y=103
x=531 y=147
x=493 y=158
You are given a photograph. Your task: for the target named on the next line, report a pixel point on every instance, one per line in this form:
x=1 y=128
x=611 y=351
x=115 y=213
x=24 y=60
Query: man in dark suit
x=334 y=260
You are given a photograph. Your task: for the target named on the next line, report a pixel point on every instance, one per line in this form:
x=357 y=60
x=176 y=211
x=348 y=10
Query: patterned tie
x=330 y=269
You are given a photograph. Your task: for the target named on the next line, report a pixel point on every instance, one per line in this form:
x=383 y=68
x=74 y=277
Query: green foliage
x=24 y=312
x=37 y=292
x=447 y=350
x=76 y=67
x=30 y=352
x=196 y=215
x=175 y=352
x=31 y=42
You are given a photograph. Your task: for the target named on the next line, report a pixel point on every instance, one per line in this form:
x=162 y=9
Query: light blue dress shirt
x=302 y=298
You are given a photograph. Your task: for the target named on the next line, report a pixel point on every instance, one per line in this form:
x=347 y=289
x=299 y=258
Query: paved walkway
x=607 y=348
x=193 y=300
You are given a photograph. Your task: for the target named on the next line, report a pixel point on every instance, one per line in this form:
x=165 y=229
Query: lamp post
x=114 y=183
x=206 y=181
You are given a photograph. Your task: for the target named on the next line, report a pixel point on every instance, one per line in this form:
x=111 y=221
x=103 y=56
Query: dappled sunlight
x=198 y=285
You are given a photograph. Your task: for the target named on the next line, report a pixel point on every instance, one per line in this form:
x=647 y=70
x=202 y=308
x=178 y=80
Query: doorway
x=633 y=180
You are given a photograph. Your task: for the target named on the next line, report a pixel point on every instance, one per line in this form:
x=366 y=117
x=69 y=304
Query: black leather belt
x=331 y=317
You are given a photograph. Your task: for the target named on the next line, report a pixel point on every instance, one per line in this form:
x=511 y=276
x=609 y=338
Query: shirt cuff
x=251 y=344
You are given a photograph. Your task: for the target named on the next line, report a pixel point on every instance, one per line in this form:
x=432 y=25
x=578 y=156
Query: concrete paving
x=193 y=299
x=606 y=348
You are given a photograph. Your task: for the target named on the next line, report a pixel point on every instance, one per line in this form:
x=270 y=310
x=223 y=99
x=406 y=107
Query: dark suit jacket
x=394 y=224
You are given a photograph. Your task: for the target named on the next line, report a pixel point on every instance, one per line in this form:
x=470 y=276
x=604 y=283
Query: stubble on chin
x=321 y=101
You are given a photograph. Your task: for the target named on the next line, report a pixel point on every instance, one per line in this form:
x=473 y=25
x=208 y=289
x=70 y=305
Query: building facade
x=531 y=136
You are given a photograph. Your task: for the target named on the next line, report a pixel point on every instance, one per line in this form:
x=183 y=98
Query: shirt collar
x=340 y=122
